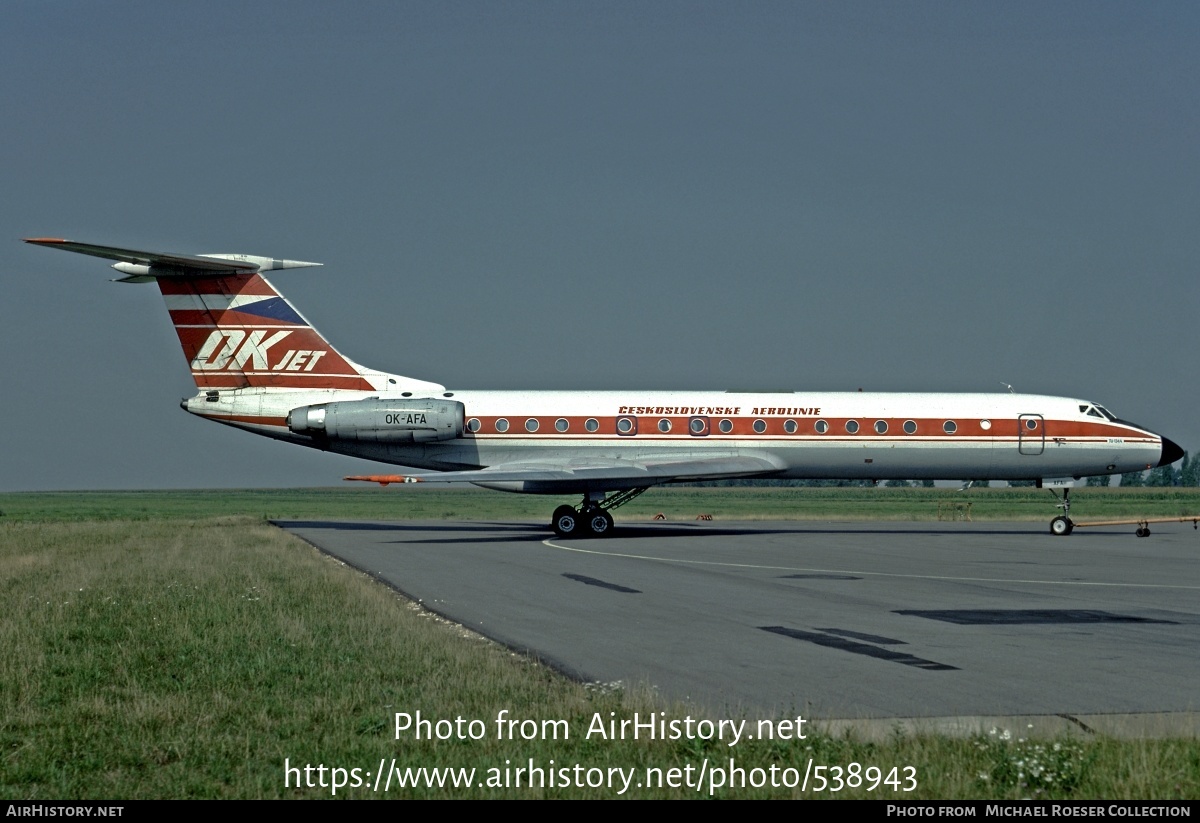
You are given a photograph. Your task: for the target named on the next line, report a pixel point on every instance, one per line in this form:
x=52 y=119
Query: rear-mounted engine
x=380 y=421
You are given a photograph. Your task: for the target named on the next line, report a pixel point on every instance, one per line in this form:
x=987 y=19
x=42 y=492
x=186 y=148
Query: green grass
x=675 y=503
x=183 y=657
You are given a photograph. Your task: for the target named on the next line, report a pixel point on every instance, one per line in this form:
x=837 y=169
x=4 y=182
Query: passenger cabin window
x=760 y=426
x=473 y=424
x=821 y=427
x=561 y=424
x=624 y=425
x=501 y=425
x=726 y=426
x=949 y=427
x=591 y=424
x=910 y=426
x=789 y=426
x=852 y=426
x=881 y=427
x=531 y=425
x=696 y=425
x=664 y=425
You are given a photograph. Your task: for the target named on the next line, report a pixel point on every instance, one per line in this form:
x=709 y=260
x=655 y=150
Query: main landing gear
x=591 y=518
x=1063 y=525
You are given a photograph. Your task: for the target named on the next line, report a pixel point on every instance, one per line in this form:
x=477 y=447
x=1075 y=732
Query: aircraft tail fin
x=236 y=329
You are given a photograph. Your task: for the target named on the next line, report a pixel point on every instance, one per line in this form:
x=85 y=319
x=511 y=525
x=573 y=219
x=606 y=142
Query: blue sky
x=813 y=196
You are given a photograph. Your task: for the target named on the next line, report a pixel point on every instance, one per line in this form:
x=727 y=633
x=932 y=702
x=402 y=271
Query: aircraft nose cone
x=1170 y=452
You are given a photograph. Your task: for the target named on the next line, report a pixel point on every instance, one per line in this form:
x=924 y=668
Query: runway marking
x=1017 y=617
x=551 y=544
x=842 y=644
x=869 y=638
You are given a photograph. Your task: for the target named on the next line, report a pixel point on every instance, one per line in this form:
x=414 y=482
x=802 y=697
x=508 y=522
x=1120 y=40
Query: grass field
x=154 y=651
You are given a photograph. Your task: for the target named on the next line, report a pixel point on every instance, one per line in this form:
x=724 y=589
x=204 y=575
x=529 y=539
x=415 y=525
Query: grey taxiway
x=840 y=621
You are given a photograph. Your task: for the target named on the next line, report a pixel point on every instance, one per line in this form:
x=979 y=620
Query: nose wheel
x=1062 y=525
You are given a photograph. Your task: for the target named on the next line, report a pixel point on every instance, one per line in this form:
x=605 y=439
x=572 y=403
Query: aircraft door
x=1031 y=434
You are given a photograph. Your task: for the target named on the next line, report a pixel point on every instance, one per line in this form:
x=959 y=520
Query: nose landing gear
x=1063 y=525
x=591 y=518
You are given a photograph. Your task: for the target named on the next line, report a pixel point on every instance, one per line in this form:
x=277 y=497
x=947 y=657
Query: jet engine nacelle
x=380 y=421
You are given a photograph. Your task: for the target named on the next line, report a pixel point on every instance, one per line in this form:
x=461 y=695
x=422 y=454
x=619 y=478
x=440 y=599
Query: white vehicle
x=260 y=366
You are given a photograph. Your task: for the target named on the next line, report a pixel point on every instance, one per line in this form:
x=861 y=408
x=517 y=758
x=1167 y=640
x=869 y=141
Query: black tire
x=566 y=521
x=559 y=512
x=1061 y=526
x=599 y=523
x=1142 y=531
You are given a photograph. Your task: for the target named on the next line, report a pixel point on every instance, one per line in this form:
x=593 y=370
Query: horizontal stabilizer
x=141 y=266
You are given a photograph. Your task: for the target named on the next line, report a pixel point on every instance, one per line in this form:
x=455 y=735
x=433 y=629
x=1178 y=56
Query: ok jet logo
x=232 y=349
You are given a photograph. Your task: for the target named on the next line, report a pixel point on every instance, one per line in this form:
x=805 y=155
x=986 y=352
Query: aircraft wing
x=648 y=471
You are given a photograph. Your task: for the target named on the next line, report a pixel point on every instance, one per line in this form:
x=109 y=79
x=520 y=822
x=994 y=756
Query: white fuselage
x=868 y=435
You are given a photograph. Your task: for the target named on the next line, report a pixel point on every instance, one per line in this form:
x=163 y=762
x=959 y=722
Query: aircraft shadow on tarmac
x=474 y=531
x=398 y=526
x=699 y=530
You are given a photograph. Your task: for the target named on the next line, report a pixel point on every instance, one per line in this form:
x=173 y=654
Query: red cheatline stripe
x=246 y=418
x=290 y=380
x=217 y=319
x=743 y=426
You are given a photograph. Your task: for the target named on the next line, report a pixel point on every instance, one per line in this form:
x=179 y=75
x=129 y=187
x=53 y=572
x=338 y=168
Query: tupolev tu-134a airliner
x=260 y=366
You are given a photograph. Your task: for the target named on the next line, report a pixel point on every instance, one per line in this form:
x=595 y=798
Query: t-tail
x=237 y=331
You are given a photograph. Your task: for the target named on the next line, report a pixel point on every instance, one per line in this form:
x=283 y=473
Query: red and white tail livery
x=238 y=331
x=260 y=366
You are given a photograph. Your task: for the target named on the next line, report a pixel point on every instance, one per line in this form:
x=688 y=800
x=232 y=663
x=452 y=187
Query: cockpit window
x=1107 y=413
x=1094 y=412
